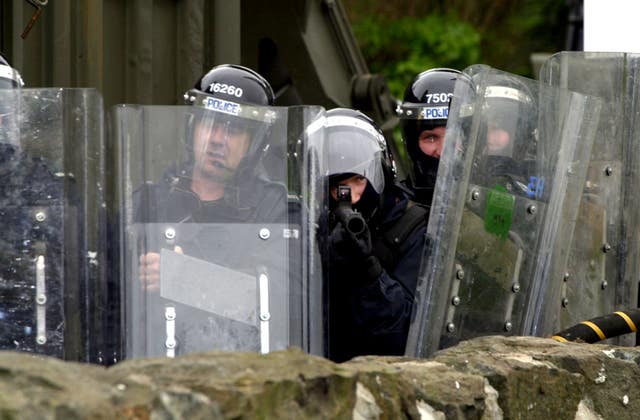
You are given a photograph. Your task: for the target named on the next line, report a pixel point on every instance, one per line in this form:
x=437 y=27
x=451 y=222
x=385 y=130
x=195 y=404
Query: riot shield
x=599 y=276
x=504 y=201
x=215 y=250
x=51 y=202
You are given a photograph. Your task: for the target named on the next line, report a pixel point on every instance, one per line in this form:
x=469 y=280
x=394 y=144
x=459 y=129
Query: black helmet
x=233 y=83
x=9 y=77
x=425 y=106
x=346 y=142
x=10 y=82
x=239 y=98
x=353 y=144
x=426 y=100
x=509 y=106
x=508 y=116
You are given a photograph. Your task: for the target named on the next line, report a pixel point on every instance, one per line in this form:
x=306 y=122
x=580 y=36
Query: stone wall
x=485 y=378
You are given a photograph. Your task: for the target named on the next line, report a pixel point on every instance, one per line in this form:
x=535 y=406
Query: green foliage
x=415 y=35
x=401 y=48
x=533 y=26
x=401 y=38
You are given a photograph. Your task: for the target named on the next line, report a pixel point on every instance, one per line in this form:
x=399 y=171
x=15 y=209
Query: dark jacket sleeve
x=382 y=307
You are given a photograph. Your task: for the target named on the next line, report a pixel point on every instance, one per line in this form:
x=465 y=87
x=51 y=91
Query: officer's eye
x=359 y=180
x=429 y=138
x=235 y=129
x=232 y=128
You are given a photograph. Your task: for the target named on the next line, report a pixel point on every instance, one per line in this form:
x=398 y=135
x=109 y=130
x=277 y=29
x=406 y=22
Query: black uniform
x=247 y=200
x=370 y=297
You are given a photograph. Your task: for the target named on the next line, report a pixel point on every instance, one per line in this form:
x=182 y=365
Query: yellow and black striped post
x=601 y=328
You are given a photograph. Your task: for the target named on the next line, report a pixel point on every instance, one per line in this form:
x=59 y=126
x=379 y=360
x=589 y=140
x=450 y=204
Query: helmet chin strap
x=425 y=172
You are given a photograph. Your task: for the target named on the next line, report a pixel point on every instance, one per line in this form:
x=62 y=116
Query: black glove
x=345 y=245
x=354 y=252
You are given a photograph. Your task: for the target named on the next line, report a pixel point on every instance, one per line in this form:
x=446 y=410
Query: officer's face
x=219 y=146
x=431 y=141
x=498 y=140
x=358 y=183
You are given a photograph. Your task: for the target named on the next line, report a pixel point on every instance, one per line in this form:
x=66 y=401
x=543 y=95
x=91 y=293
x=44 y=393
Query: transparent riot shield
x=215 y=250
x=515 y=151
x=600 y=272
x=51 y=203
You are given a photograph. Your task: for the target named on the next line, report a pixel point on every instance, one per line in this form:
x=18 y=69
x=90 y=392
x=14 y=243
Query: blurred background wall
x=349 y=53
x=151 y=51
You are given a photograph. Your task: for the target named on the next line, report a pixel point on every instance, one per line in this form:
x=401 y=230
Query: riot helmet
x=9 y=77
x=509 y=116
x=231 y=103
x=424 y=111
x=352 y=145
x=233 y=83
x=10 y=83
x=508 y=134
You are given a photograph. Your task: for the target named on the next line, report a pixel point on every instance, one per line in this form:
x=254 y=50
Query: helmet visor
x=9 y=78
x=506 y=112
x=349 y=147
x=222 y=141
x=256 y=113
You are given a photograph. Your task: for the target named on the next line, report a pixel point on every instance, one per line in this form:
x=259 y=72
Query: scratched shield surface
x=51 y=208
x=505 y=197
x=599 y=273
x=238 y=272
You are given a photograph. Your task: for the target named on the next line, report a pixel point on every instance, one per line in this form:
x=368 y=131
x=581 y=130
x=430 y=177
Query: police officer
x=371 y=267
x=423 y=117
x=220 y=181
x=495 y=236
x=509 y=137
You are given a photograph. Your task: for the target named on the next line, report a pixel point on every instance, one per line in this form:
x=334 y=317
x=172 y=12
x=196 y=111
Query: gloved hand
x=353 y=251
x=345 y=246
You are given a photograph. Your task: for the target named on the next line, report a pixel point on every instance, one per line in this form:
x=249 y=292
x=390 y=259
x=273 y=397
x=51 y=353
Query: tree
x=400 y=38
